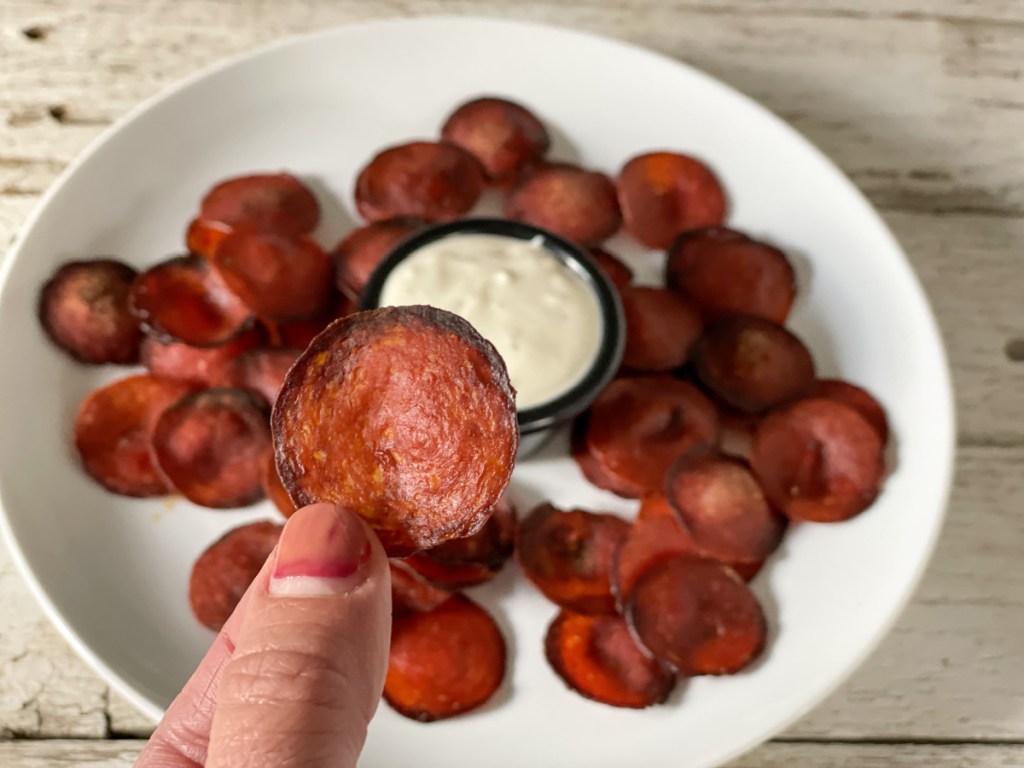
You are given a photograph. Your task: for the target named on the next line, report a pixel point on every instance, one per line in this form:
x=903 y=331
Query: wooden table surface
x=920 y=101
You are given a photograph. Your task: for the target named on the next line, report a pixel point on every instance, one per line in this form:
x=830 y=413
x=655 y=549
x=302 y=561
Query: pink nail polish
x=323 y=551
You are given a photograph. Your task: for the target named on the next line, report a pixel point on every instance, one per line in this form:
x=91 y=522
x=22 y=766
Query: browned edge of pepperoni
x=614 y=268
x=661 y=328
x=422 y=452
x=362 y=250
x=263 y=370
x=654 y=536
x=273 y=200
x=859 y=399
x=202 y=366
x=570 y=201
x=272 y=487
x=503 y=135
x=411 y=592
x=203 y=237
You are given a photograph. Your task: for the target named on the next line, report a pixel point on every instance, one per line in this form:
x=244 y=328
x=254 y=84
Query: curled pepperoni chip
x=422 y=451
x=183 y=299
x=85 y=310
x=280 y=276
x=202 y=366
x=697 y=616
x=225 y=570
x=432 y=181
x=617 y=270
x=363 y=249
x=271 y=200
x=112 y=433
x=664 y=193
x=725 y=272
x=818 y=460
x=568 y=556
x=445 y=661
x=411 y=592
x=262 y=370
x=273 y=489
x=655 y=536
x=753 y=364
x=598 y=658
x=504 y=136
x=857 y=398
x=573 y=202
x=591 y=467
x=210 y=446
x=661 y=328
x=203 y=237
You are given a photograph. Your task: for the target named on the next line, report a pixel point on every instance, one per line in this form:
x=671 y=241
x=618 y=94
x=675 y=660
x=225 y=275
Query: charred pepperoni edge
x=859 y=399
x=272 y=487
x=411 y=592
x=244 y=200
x=202 y=366
x=528 y=137
x=661 y=328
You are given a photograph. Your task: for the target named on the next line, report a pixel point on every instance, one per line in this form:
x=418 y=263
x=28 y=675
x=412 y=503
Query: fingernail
x=323 y=551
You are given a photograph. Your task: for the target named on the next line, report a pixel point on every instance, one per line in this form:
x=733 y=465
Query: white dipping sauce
x=541 y=316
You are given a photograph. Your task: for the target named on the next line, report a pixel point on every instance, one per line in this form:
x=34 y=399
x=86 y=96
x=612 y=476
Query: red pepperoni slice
x=112 y=433
x=568 y=556
x=573 y=202
x=664 y=193
x=225 y=570
x=617 y=270
x=363 y=249
x=818 y=460
x=655 y=536
x=753 y=364
x=210 y=446
x=202 y=366
x=857 y=398
x=724 y=272
x=423 y=452
x=443 y=662
x=182 y=299
x=410 y=592
x=661 y=328
x=433 y=181
x=273 y=488
x=591 y=467
x=275 y=201
x=504 y=136
x=203 y=237
x=262 y=370
x=697 y=616
x=85 y=310
x=299 y=333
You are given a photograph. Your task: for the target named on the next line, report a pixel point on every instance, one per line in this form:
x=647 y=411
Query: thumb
x=311 y=653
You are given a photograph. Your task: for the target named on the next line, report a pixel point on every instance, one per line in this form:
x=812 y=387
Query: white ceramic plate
x=112 y=572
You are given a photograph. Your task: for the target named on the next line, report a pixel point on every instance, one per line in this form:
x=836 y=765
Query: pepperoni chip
x=225 y=570
x=753 y=364
x=280 y=276
x=433 y=181
x=404 y=415
x=443 y=662
x=617 y=270
x=210 y=445
x=299 y=333
x=271 y=200
x=697 y=616
x=203 y=237
x=272 y=487
x=655 y=536
x=84 y=309
x=664 y=193
x=112 y=433
x=857 y=398
x=597 y=657
x=661 y=328
x=263 y=370
x=411 y=592
x=818 y=460
x=568 y=556
x=202 y=366
x=504 y=136
x=363 y=249
x=592 y=468
x=725 y=272
x=573 y=202
x=723 y=507
x=182 y=299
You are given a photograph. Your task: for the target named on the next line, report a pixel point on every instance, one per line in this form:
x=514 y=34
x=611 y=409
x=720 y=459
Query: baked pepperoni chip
x=567 y=200
x=362 y=250
x=857 y=398
x=272 y=200
x=299 y=333
x=661 y=328
x=663 y=194
x=273 y=488
x=697 y=616
x=112 y=433
x=210 y=446
x=568 y=556
x=203 y=237
x=85 y=310
x=183 y=299
x=615 y=268
x=656 y=535
x=225 y=570
x=753 y=364
x=590 y=466
x=818 y=460
x=597 y=657
x=404 y=415
x=432 y=181
x=411 y=592
x=202 y=366
x=443 y=662
x=504 y=136
x=262 y=370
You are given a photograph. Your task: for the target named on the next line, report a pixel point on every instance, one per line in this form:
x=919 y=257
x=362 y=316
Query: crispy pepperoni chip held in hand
x=818 y=460
x=598 y=658
x=663 y=194
x=615 y=268
x=661 y=328
x=857 y=398
x=504 y=136
x=85 y=310
x=271 y=200
x=567 y=200
x=753 y=364
x=263 y=370
x=362 y=250
x=568 y=556
x=112 y=431
x=202 y=366
x=225 y=570
x=697 y=616
x=203 y=237
x=445 y=661
x=183 y=299
x=404 y=415
x=211 y=444
x=433 y=181
x=273 y=489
